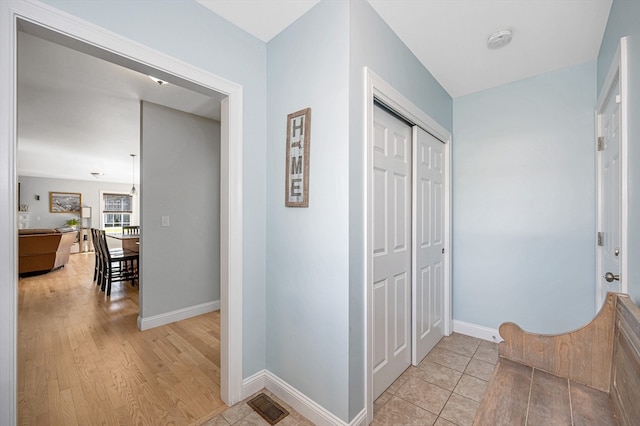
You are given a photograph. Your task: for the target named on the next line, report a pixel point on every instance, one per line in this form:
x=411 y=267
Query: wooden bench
x=590 y=376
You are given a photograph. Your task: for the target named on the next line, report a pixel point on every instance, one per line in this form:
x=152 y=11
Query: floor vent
x=270 y=410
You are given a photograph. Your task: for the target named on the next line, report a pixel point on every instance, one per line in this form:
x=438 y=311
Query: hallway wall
x=524 y=202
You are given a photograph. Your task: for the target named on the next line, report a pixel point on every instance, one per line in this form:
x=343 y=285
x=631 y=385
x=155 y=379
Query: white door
x=428 y=300
x=391 y=239
x=609 y=190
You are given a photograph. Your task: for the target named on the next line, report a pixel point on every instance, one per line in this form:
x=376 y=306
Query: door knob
x=610 y=277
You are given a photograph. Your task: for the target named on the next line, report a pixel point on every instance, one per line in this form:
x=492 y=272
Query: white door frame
x=618 y=71
x=113 y=44
x=377 y=88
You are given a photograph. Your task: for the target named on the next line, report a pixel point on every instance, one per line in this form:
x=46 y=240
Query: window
x=116 y=212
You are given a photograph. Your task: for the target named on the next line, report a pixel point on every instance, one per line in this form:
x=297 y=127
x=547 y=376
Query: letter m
x=296 y=165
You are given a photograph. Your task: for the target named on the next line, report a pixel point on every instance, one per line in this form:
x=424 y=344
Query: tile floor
x=443 y=390
x=243 y=415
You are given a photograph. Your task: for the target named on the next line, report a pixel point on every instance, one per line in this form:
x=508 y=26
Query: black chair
x=98 y=259
x=115 y=265
x=99 y=263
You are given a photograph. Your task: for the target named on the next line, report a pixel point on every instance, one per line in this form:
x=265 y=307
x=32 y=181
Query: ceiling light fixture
x=97 y=175
x=133 y=174
x=157 y=80
x=499 y=39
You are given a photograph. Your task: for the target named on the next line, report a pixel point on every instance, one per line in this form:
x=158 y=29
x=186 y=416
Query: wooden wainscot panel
x=625 y=375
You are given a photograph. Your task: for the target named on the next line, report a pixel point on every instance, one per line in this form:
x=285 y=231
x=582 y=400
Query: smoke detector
x=499 y=39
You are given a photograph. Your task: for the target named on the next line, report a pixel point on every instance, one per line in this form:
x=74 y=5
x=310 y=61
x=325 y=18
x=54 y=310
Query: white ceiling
x=449 y=36
x=78 y=114
x=262 y=18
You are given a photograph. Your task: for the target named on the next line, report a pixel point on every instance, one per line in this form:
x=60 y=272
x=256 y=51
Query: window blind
x=117 y=203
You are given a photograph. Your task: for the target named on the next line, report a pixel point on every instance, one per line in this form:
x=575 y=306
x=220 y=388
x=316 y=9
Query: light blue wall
x=373 y=44
x=307 y=248
x=188 y=31
x=624 y=20
x=524 y=202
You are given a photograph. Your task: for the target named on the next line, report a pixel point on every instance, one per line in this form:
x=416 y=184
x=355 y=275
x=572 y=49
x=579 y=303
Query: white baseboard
x=254 y=384
x=177 y=315
x=479 y=331
x=304 y=405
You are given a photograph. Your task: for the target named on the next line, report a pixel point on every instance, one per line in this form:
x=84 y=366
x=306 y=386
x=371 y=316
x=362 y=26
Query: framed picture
x=298 y=143
x=65 y=202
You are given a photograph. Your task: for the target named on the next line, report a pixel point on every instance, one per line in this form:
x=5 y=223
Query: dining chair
x=117 y=265
x=100 y=260
x=131 y=230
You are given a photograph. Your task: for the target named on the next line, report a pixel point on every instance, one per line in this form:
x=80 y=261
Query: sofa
x=42 y=250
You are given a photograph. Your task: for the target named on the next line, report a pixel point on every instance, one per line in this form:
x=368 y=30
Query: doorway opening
x=408 y=265
x=82 y=36
x=612 y=180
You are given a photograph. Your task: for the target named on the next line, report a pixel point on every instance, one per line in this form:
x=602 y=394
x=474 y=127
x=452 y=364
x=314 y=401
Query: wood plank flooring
x=522 y=395
x=82 y=360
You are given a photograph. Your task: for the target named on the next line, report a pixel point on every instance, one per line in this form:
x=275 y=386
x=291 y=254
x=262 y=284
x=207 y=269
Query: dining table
x=129 y=241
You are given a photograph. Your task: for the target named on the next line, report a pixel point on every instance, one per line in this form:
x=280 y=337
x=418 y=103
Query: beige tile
x=444 y=422
x=294 y=419
x=465 y=338
x=253 y=419
x=459 y=343
x=437 y=374
x=237 y=412
x=399 y=412
x=401 y=380
x=460 y=410
x=488 y=344
x=480 y=369
x=470 y=387
x=424 y=394
x=448 y=359
x=216 y=421
x=487 y=354
x=381 y=401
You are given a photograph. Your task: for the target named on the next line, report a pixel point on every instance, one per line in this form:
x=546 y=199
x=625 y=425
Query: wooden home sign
x=298 y=140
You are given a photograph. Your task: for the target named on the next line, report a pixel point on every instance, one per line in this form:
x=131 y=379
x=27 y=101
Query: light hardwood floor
x=82 y=360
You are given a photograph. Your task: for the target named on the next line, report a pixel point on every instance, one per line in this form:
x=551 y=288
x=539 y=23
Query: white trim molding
x=304 y=405
x=617 y=73
x=254 y=384
x=479 y=331
x=48 y=21
x=177 y=315
x=8 y=220
x=377 y=88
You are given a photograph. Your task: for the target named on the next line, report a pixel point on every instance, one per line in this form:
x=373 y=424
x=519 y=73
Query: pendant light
x=133 y=175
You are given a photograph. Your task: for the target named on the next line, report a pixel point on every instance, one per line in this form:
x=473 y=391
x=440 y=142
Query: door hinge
x=600 y=143
x=600 y=238
x=618 y=99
